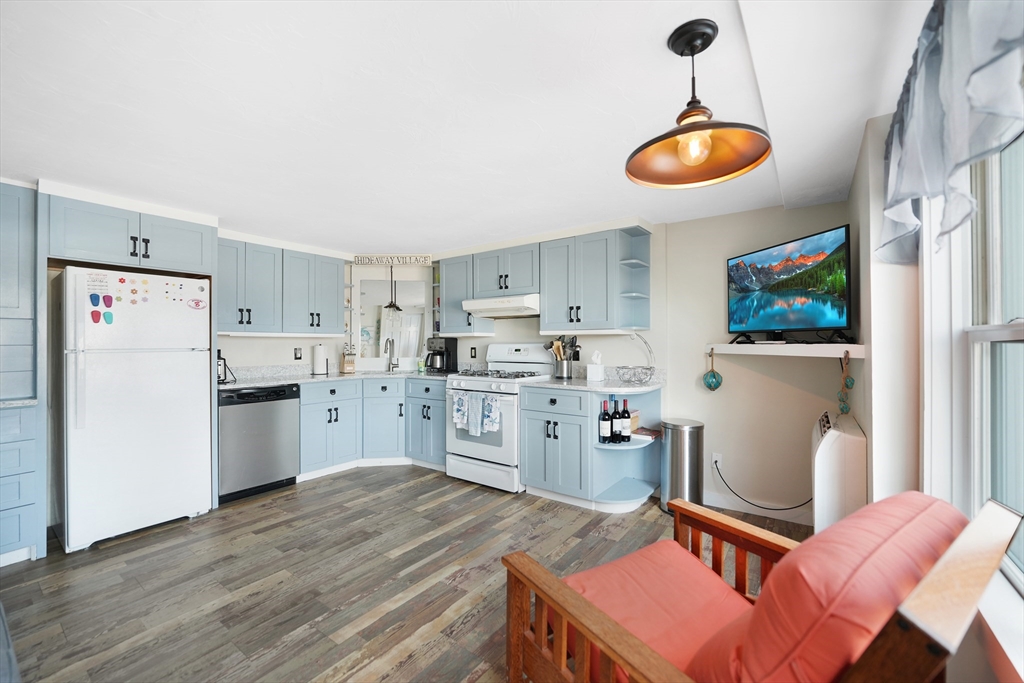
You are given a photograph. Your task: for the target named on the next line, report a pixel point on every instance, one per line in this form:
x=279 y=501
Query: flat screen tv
x=796 y=286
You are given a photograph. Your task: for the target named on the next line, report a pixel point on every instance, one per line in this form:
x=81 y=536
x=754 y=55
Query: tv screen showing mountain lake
x=795 y=286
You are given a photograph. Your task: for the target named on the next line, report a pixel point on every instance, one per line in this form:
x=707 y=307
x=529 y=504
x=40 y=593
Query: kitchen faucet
x=389 y=348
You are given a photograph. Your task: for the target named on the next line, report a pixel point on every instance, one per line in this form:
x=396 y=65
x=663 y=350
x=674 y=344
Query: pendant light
x=393 y=312
x=698 y=151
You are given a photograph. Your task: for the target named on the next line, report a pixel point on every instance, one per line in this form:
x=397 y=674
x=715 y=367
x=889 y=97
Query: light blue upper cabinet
x=91 y=232
x=17 y=252
x=230 y=286
x=456 y=286
x=299 y=292
x=171 y=244
x=330 y=295
x=263 y=288
x=558 y=294
x=384 y=427
x=522 y=270
x=488 y=274
x=507 y=272
x=596 y=271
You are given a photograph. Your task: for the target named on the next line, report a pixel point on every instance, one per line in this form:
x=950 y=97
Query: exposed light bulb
x=694 y=148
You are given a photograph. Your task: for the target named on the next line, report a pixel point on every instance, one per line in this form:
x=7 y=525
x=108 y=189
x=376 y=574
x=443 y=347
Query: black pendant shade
x=698 y=151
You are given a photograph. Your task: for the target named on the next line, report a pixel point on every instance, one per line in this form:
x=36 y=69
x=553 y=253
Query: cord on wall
x=794 y=507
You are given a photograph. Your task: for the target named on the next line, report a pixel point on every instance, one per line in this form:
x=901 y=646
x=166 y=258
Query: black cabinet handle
x=248 y=316
x=506 y=282
x=318 y=320
x=336 y=416
x=426 y=390
x=135 y=246
x=241 y=316
x=570 y=315
x=555 y=424
x=384 y=387
x=333 y=392
x=423 y=412
x=468 y=318
x=328 y=416
x=145 y=247
x=428 y=412
x=553 y=401
x=400 y=413
x=547 y=429
x=311 y=320
x=578 y=318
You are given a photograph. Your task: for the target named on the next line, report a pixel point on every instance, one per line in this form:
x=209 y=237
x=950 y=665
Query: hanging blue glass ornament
x=844 y=407
x=842 y=396
x=712 y=380
x=848 y=382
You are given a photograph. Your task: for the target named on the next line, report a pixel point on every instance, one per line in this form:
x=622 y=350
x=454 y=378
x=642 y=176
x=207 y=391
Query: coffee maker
x=442 y=355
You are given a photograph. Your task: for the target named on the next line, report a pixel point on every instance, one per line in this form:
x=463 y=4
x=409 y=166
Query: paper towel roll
x=319 y=360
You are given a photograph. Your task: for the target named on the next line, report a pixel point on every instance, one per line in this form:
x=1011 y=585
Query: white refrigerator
x=135 y=391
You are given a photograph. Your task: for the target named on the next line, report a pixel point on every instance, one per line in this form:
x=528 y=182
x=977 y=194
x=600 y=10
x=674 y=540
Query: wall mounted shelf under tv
x=795 y=350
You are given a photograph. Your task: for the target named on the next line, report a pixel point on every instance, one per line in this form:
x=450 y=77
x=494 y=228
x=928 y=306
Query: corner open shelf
x=631 y=446
x=626 y=490
x=794 y=350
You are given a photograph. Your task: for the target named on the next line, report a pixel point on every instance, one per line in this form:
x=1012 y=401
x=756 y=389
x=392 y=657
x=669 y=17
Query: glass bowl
x=636 y=374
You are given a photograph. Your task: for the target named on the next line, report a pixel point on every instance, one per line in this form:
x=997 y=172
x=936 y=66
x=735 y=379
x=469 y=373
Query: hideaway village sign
x=392 y=260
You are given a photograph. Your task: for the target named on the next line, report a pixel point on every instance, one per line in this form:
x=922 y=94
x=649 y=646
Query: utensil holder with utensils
x=563 y=369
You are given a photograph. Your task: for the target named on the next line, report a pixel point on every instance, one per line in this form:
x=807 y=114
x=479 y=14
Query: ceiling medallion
x=698 y=151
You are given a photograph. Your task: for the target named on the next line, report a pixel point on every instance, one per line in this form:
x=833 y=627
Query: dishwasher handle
x=235 y=397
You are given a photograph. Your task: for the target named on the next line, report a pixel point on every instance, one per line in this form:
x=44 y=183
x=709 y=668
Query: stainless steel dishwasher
x=259 y=439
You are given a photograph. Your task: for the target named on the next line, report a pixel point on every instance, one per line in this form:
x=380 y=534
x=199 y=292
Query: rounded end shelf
x=626 y=490
x=631 y=446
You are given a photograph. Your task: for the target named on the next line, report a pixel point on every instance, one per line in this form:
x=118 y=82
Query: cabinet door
x=330 y=295
x=315 y=431
x=384 y=427
x=348 y=431
x=436 y=432
x=570 y=451
x=534 y=435
x=456 y=285
x=91 y=232
x=299 y=292
x=176 y=245
x=488 y=274
x=263 y=285
x=230 y=285
x=558 y=284
x=417 y=431
x=596 y=269
x=522 y=268
x=17 y=252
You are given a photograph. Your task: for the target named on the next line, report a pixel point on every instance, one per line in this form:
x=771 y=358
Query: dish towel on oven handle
x=492 y=413
x=475 y=413
x=460 y=406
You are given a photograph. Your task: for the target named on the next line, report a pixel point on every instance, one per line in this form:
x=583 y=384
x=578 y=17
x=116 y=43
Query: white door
x=108 y=309
x=137 y=438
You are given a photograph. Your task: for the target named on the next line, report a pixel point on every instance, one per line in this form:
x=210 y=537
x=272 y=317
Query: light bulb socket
x=693 y=108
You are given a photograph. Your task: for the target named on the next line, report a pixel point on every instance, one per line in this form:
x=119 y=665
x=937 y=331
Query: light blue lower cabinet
x=384 y=427
x=534 y=434
x=16 y=528
x=437 y=431
x=347 y=431
x=315 y=442
x=425 y=430
x=554 y=452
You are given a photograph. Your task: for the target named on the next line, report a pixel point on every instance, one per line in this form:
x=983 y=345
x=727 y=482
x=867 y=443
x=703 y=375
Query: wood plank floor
x=388 y=573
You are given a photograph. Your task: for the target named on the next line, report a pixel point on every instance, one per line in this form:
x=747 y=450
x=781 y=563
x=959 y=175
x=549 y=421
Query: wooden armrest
x=621 y=647
x=766 y=544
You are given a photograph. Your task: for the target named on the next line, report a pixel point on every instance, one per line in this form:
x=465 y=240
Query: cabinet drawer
x=555 y=401
x=383 y=387
x=425 y=388
x=16 y=527
x=321 y=392
x=16 y=490
x=17 y=424
x=17 y=457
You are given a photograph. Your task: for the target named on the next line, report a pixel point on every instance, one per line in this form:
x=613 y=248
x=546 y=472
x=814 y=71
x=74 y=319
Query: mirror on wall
x=375 y=327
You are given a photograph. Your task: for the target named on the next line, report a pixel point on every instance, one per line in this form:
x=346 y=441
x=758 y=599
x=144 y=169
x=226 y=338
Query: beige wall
x=761 y=418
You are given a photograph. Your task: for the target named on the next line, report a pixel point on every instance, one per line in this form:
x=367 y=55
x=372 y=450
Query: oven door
x=500 y=447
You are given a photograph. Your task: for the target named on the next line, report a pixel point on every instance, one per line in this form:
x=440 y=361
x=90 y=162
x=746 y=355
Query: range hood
x=523 y=306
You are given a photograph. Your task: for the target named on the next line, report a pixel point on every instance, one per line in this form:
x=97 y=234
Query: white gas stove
x=492 y=457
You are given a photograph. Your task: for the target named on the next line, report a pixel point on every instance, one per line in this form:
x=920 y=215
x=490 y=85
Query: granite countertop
x=609 y=386
x=306 y=378
x=19 y=403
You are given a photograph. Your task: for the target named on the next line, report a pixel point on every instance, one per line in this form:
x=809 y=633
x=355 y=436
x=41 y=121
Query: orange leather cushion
x=827 y=599
x=663 y=595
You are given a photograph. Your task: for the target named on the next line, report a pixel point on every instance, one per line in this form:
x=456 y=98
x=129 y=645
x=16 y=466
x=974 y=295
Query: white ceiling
x=425 y=127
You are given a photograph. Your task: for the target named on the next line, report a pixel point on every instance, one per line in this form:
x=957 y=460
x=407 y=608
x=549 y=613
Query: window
x=996 y=339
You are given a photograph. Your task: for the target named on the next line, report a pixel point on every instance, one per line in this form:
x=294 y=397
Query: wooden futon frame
x=913 y=646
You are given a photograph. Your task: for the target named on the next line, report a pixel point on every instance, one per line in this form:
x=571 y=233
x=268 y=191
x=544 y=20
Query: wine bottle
x=616 y=424
x=604 y=425
x=627 y=426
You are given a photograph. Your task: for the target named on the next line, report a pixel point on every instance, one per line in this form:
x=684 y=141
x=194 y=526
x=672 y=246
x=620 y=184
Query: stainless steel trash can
x=682 y=459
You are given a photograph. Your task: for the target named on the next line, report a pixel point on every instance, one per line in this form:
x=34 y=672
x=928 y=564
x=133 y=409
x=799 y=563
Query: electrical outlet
x=472 y=352
x=718 y=459
x=298 y=353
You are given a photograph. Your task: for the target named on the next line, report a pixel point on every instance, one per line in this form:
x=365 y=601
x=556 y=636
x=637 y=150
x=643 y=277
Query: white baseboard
x=19 y=555
x=366 y=462
x=611 y=508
